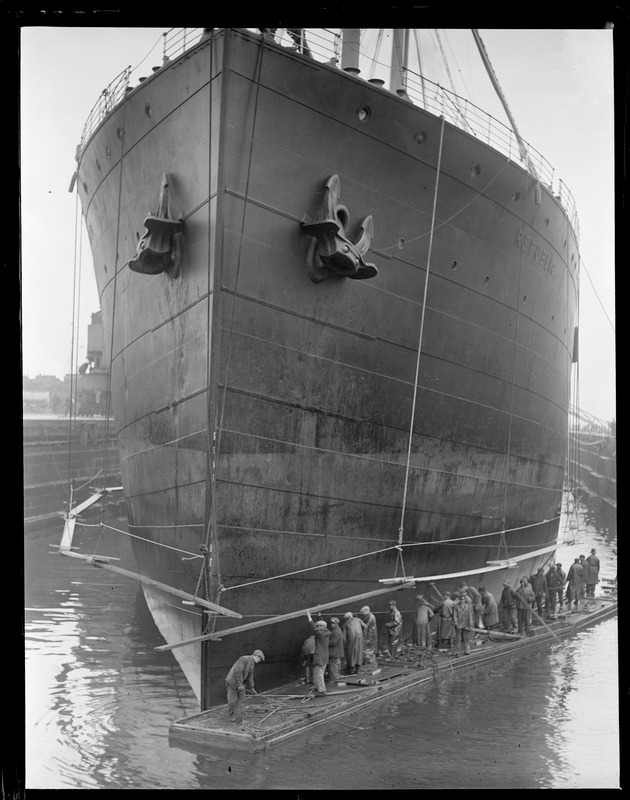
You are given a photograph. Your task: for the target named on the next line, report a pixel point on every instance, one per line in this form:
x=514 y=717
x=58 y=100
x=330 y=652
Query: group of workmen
x=353 y=639
x=468 y=611
x=461 y=616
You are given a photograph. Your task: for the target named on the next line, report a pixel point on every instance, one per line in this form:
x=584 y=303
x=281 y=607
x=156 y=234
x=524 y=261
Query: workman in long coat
x=553 y=584
x=424 y=615
x=308 y=650
x=584 y=564
x=370 y=637
x=394 y=628
x=539 y=586
x=446 y=630
x=507 y=605
x=592 y=575
x=574 y=584
x=490 y=609
x=475 y=598
x=353 y=629
x=562 y=576
x=240 y=680
x=320 y=656
x=553 y=581
x=525 y=599
x=335 y=650
x=464 y=620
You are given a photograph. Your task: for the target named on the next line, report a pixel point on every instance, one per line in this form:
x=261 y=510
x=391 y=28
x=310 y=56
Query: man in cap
x=424 y=614
x=562 y=576
x=394 y=628
x=553 y=583
x=490 y=609
x=473 y=596
x=507 y=603
x=592 y=573
x=370 y=636
x=539 y=585
x=308 y=650
x=574 y=584
x=525 y=599
x=464 y=620
x=335 y=650
x=353 y=632
x=446 y=631
x=238 y=681
x=320 y=656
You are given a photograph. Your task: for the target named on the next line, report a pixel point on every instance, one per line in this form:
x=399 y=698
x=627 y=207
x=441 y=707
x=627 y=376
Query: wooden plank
x=282 y=617
x=101 y=563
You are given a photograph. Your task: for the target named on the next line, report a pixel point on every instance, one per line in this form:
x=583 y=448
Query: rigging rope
x=113 y=317
x=514 y=351
x=134 y=536
x=420 y=70
x=72 y=346
x=440 y=542
x=450 y=79
x=449 y=219
x=203 y=581
x=218 y=429
x=415 y=386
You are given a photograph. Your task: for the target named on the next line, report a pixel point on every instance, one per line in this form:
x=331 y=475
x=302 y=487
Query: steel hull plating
x=267 y=416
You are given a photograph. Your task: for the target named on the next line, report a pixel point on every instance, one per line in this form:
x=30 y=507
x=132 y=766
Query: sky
x=558 y=85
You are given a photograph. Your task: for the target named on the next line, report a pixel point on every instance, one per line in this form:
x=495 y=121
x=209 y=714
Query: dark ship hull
x=264 y=415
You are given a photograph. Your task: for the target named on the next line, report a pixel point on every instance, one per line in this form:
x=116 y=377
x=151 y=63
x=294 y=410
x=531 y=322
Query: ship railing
x=568 y=202
x=178 y=40
x=175 y=42
x=325 y=46
x=479 y=123
x=109 y=98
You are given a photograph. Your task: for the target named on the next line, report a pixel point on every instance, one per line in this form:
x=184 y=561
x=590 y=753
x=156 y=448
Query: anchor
x=156 y=250
x=332 y=253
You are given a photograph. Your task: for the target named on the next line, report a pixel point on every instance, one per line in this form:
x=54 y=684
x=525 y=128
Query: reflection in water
x=100 y=700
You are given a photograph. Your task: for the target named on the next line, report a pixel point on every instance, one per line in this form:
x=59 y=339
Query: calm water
x=99 y=701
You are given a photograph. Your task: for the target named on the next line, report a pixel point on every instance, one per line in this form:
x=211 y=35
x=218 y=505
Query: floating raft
x=277 y=715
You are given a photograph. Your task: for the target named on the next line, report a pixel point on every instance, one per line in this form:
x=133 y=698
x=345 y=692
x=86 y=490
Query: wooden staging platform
x=273 y=717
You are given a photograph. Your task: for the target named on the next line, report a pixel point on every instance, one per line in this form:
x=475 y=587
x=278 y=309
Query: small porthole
x=420 y=137
x=524 y=298
x=401 y=243
x=119 y=133
x=516 y=196
x=108 y=152
x=547 y=222
x=147 y=110
x=487 y=280
x=475 y=171
x=98 y=165
x=363 y=113
x=454 y=265
x=105 y=267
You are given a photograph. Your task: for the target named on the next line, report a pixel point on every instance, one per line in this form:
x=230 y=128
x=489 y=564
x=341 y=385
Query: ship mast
x=486 y=60
x=400 y=59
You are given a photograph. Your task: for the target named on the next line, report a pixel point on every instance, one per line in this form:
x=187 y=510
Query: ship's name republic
x=532 y=248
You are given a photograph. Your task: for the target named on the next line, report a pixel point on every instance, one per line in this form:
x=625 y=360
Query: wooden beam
x=102 y=563
x=284 y=617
